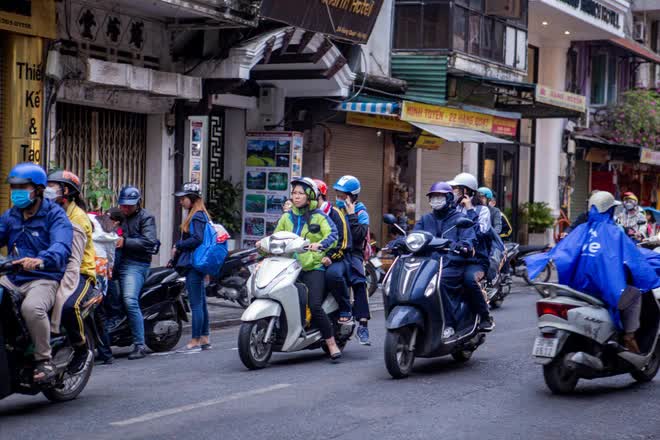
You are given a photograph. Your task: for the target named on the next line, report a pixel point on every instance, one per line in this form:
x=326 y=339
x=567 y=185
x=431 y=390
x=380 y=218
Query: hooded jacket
x=599 y=259
x=300 y=221
x=442 y=224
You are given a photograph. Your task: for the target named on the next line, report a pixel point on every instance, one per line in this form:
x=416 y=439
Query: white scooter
x=579 y=340
x=276 y=320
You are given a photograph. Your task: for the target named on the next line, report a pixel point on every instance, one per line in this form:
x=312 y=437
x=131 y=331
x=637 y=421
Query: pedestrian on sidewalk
x=192 y=236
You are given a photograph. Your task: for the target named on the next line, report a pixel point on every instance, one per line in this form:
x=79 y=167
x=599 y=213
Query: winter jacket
x=359 y=224
x=496 y=219
x=299 y=221
x=344 y=239
x=104 y=246
x=46 y=235
x=190 y=241
x=480 y=215
x=140 y=237
x=442 y=224
x=635 y=220
x=79 y=217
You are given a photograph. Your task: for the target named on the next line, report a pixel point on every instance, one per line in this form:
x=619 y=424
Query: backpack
x=506 y=227
x=209 y=256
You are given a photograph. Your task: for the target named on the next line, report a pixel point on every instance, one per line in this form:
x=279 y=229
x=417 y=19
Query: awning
x=637 y=49
x=460 y=134
x=372 y=108
x=615 y=150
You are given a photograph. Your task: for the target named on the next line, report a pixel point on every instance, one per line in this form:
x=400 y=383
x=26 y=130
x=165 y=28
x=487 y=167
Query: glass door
x=498 y=170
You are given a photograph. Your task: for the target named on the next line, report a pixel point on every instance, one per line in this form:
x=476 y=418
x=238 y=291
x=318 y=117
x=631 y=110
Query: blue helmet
x=349 y=185
x=129 y=195
x=27 y=172
x=486 y=192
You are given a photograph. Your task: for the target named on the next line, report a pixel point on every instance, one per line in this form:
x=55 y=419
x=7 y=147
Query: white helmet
x=603 y=201
x=465 y=179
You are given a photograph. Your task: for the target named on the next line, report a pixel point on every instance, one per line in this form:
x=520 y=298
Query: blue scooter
x=424 y=320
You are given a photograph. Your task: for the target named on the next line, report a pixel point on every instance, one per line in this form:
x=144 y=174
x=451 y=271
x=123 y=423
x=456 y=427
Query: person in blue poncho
x=599 y=259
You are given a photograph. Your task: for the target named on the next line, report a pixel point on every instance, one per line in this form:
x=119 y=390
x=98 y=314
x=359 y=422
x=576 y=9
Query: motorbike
x=164 y=311
x=516 y=254
x=578 y=339
x=231 y=284
x=373 y=270
x=16 y=362
x=422 y=320
x=276 y=320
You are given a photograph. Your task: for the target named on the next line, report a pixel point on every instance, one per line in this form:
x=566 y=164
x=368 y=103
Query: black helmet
x=189 y=189
x=129 y=195
x=66 y=178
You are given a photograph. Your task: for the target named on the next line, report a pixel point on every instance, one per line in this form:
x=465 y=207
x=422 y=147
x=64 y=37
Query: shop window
x=603 y=79
x=422 y=25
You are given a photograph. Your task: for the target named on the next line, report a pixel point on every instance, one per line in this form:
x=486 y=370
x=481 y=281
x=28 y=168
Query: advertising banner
x=273 y=158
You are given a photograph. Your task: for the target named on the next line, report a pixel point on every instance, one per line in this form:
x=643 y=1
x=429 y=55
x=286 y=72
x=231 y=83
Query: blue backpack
x=209 y=256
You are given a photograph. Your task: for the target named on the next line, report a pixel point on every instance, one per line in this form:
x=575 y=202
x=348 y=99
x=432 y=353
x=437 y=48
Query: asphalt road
x=499 y=394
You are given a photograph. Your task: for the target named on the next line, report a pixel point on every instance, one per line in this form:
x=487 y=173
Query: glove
x=461 y=249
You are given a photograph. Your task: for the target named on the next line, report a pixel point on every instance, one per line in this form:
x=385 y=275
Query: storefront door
x=498 y=170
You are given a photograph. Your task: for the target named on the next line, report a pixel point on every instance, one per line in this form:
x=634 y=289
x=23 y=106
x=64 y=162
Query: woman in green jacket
x=307 y=221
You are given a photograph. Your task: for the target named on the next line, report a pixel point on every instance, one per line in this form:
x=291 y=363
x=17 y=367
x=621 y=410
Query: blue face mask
x=20 y=198
x=340 y=203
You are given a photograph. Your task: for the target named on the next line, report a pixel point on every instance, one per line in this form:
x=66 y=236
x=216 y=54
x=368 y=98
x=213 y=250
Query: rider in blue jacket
x=38 y=234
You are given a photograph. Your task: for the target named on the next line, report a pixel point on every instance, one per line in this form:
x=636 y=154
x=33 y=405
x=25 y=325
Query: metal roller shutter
x=359 y=152
x=438 y=165
x=580 y=188
x=4 y=149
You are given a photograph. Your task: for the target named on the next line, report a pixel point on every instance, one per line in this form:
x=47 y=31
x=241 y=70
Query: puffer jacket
x=299 y=221
x=140 y=237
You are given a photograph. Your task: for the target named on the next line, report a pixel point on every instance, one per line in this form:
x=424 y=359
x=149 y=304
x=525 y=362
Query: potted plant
x=539 y=220
x=224 y=206
x=99 y=195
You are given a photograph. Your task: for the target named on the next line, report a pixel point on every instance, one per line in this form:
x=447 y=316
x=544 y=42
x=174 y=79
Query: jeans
x=335 y=278
x=474 y=296
x=197 y=299
x=315 y=282
x=358 y=282
x=132 y=275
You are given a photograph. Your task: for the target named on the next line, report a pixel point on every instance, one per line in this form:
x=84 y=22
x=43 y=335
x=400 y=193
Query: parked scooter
x=421 y=319
x=16 y=362
x=232 y=283
x=163 y=309
x=373 y=269
x=516 y=255
x=276 y=321
x=578 y=339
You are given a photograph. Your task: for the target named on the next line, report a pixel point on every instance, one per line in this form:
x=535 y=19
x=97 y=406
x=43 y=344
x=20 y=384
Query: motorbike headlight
x=431 y=288
x=415 y=242
x=277 y=247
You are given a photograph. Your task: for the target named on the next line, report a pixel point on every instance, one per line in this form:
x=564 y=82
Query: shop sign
x=596 y=10
x=273 y=158
x=345 y=19
x=558 y=98
x=429 y=142
x=452 y=117
x=649 y=156
x=378 y=121
x=29 y=17
x=24 y=103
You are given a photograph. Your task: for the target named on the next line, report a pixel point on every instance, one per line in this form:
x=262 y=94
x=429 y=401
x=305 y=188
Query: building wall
x=379 y=47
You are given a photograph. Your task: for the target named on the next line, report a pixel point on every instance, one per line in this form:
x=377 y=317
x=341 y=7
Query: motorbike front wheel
x=252 y=349
x=543 y=277
x=647 y=374
x=73 y=384
x=399 y=359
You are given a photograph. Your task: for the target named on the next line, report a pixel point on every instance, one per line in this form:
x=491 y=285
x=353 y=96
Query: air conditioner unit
x=271 y=105
x=639 y=31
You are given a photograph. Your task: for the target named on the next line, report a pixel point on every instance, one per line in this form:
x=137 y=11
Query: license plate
x=545 y=347
x=375 y=261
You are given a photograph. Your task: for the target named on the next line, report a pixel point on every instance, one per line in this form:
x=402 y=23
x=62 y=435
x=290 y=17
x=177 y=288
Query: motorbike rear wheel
x=543 y=277
x=254 y=353
x=72 y=385
x=372 y=279
x=558 y=377
x=168 y=343
x=399 y=359
x=462 y=355
x=651 y=370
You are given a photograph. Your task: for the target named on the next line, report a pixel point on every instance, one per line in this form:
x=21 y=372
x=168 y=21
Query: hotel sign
x=558 y=98
x=596 y=10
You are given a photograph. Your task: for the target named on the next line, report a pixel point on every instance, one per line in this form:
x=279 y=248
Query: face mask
x=340 y=203
x=20 y=198
x=51 y=193
x=629 y=205
x=438 y=202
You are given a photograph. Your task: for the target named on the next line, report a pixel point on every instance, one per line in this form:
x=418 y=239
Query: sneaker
x=81 y=357
x=108 y=361
x=189 y=349
x=363 y=335
x=486 y=324
x=139 y=352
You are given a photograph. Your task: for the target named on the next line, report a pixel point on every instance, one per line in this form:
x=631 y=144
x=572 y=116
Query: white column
x=471 y=159
x=159 y=185
x=552 y=73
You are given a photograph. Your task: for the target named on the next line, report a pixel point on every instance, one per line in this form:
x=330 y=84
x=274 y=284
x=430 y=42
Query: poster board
x=197 y=140
x=273 y=158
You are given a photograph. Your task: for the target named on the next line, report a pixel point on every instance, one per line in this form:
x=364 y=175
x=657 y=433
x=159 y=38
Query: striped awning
x=373 y=108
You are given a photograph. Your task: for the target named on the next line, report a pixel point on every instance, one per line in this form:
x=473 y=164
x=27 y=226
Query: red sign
x=506 y=127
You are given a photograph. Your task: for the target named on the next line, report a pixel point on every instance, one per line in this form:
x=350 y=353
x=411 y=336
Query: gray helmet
x=465 y=179
x=603 y=201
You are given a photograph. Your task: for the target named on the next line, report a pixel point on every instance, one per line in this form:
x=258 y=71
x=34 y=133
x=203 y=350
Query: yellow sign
x=650 y=156
x=29 y=17
x=24 y=101
x=448 y=117
x=429 y=142
x=378 y=121
x=558 y=98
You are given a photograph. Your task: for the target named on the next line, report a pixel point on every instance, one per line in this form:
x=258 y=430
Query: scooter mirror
x=389 y=219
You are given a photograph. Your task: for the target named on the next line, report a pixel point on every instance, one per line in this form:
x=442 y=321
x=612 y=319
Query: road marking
x=181 y=409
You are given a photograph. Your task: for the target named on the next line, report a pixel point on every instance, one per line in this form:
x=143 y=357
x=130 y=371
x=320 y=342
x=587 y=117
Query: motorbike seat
x=158 y=275
x=526 y=249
